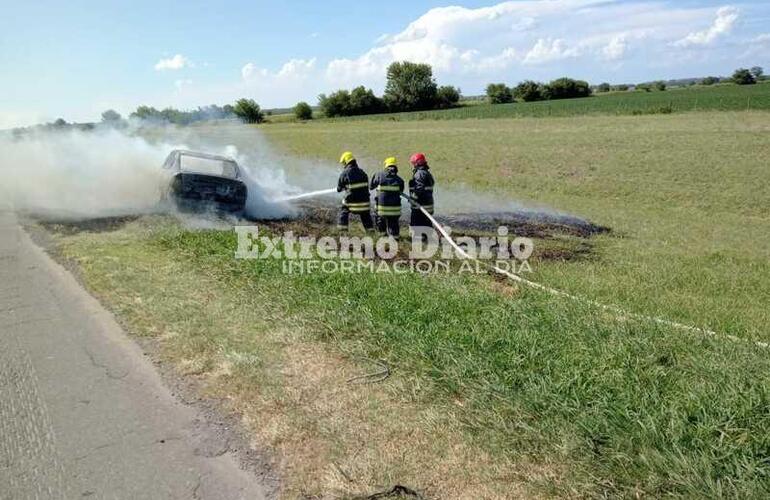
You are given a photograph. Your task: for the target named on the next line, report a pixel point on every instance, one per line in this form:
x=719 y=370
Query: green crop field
x=553 y=397
x=724 y=97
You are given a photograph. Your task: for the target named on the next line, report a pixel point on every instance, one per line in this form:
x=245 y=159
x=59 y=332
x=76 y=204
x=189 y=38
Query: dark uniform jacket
x=421 y=187
x=356 y=183
x=389 y=187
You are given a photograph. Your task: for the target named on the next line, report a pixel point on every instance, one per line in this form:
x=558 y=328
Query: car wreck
x=201 y=181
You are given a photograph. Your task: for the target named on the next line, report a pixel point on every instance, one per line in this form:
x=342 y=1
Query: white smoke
x=266 y=184
x=106 y=172
x=71 y=173
x=270 y=175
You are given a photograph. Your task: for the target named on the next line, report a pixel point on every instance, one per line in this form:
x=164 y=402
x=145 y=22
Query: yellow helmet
x=347 y=157
x=390 y=162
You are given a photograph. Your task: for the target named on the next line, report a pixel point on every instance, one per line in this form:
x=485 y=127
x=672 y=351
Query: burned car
x=200 y=181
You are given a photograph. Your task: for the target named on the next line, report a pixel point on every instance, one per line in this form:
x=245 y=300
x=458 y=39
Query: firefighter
x=389 y=187
x=355 y=183
x=421 y=191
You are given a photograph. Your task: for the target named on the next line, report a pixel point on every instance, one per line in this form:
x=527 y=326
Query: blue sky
x=76 y=58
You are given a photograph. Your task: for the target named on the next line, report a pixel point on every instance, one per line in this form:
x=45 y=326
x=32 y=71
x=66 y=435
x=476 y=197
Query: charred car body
x=202 y=181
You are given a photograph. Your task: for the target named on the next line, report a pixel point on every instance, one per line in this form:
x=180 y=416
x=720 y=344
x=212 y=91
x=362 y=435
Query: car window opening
x=208 y=166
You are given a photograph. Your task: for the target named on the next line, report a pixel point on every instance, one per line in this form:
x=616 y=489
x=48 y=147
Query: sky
x=74 y=59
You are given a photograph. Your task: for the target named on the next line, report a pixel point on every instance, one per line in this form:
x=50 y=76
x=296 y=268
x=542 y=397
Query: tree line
x=179 y=117
x=568 y=88
x=245 y=109
x=409 y=87
x=530 y=90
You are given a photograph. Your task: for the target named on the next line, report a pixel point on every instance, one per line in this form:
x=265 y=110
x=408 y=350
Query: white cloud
x=723 y=25
x=516 y=40
x=548 y=50
x=173 y=63
x=297 y=79
x=490 y=42
x=457 y=40
x=297 y=68
x=497 y=62
x=372 y=65
x=293 y=69
x=524 y=24
x=249 y=70
x=616 y=48
x=757 y=47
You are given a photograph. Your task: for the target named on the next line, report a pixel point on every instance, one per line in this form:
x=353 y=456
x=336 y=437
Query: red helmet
x=418 y=159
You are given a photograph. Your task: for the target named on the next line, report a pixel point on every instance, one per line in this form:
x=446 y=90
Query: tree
x=709 y=80
x=335 y=104
x=644 y=87
x=248 y=111
x=60 y=123
x=147 y=113
x=173 y=115
x=499 y=93
x=111 y=116
x=303 y=111
x=603 y=87
x=621 y=88
x=743 y=76
x=566 y=88
x=447 y=96
x=410 y=87
x=359 y=101
x=528 y=91
x=364 y=102
x=758 y=72
x=660 y=86
x=211 y=112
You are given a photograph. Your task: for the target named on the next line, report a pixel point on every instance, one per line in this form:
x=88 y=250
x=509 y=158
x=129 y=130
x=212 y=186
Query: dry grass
x=331 y=438
x=339 y=439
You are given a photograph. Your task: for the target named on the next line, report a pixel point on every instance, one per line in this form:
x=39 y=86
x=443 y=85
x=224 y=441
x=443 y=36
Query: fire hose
x=618 y=312
x=312 y=194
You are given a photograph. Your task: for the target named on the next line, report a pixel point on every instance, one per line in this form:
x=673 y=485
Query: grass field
x=497 y=391
x=676 y=100
x=685 y=195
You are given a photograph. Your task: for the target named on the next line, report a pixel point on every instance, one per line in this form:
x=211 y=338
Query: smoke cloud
x=107 y=172
x=71 y=173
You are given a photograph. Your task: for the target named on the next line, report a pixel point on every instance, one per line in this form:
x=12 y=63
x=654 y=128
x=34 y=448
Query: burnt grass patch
x=560 y=237
x=71 y=226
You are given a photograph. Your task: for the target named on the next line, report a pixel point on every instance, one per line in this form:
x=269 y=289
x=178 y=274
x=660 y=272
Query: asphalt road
x=82 y=412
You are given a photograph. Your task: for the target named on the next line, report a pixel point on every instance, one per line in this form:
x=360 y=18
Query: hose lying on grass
x=617 y=311
x=372 y=378
x=398 y=491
